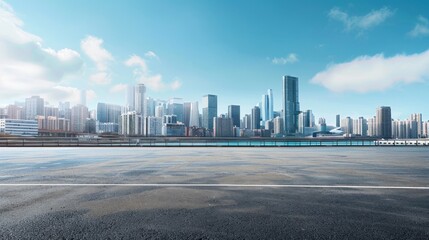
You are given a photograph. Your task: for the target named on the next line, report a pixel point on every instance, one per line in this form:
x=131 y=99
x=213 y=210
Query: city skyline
x=236 y=57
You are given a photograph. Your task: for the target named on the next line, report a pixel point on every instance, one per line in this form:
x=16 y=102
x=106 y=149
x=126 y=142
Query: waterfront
x=251 y=208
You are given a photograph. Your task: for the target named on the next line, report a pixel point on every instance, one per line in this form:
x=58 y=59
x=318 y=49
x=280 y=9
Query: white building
x=18 y=127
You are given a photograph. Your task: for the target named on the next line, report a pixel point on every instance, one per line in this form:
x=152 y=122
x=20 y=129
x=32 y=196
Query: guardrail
x=181 y=142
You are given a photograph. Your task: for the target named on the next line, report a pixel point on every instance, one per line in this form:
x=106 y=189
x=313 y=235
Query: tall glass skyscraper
x=384 y=122
x=256 y=118
x=290 y=104
x=209 y=110
x=234 y=114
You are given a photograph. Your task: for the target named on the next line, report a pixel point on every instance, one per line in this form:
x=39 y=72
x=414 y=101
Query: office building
x=256 y=118
x=19 y=127
x=265 y=105
x=79 y=115
x=140 y=99
x=270 y=104
x=150 y=107
x=417 y=117
x=194 y=118
x=108 y=113
x=14 y=112
x=347 y=126
x=175 y=107
x=222 y=127
x=209 y=106
x=34 y=106
x=187 y=113
x=234 y=114
x=247 y=121
x=338 y=121
x=384 y=122
x=154 y=126
x=278 y=126
x=174 y=129
x=290 y=104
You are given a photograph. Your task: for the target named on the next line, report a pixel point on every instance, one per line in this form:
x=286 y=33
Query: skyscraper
x=79 y=115
x=209 y=110
x=108 y=113
x=140 y=98
x=194 y=118
x=175 y=107
x=186 y=113
x=270 y=104
x=234 y=114
x=265 y=105
x=290 y=104
x=337 y=120
x=418 y=118
x=222 y=127
x=384 y=122
x=34 y=106
x=256 y=117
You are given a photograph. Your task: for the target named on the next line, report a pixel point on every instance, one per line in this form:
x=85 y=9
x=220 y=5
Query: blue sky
x=350 y=56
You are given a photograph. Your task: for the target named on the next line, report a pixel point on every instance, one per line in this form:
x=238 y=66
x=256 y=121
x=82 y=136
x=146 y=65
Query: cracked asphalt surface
x=124 y=212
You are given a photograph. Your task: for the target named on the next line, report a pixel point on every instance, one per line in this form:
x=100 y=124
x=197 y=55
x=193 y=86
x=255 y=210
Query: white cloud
x=26 y=67
x=374 y=73
x=92 y=47
x=291 y=58
x=365 y=22
x=421 y=28
x=151 y=54
x=119 y=88
x=143 y=75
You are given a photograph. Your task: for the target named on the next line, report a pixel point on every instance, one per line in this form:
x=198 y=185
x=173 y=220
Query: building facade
x=290 y=104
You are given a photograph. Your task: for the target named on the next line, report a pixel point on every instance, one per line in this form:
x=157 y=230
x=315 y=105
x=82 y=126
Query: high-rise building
x=187 y=113
x=265 y=105
x=417 y=117
x=256 y=117
x=384 y=122
x=278 y=126
x=34 y=106
x=360 y=126
x=108 y=113
x=154 y=126
x=130 y=101
x=247 y=121
x=150 y=107
x=14 y=112
x=322 y=123
x=372 y=127
x=305 y=121
x=79 y=115
x=290 y=104
x=234 y=114
x=194 y=119
x=222 y=127
x=338 y=120
x=108 y=116
x=270 y=104
x=209 y=111
x=347 y=125
x=64 y=110
x=140 y=98
x=131 y=123
x=175 y=107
